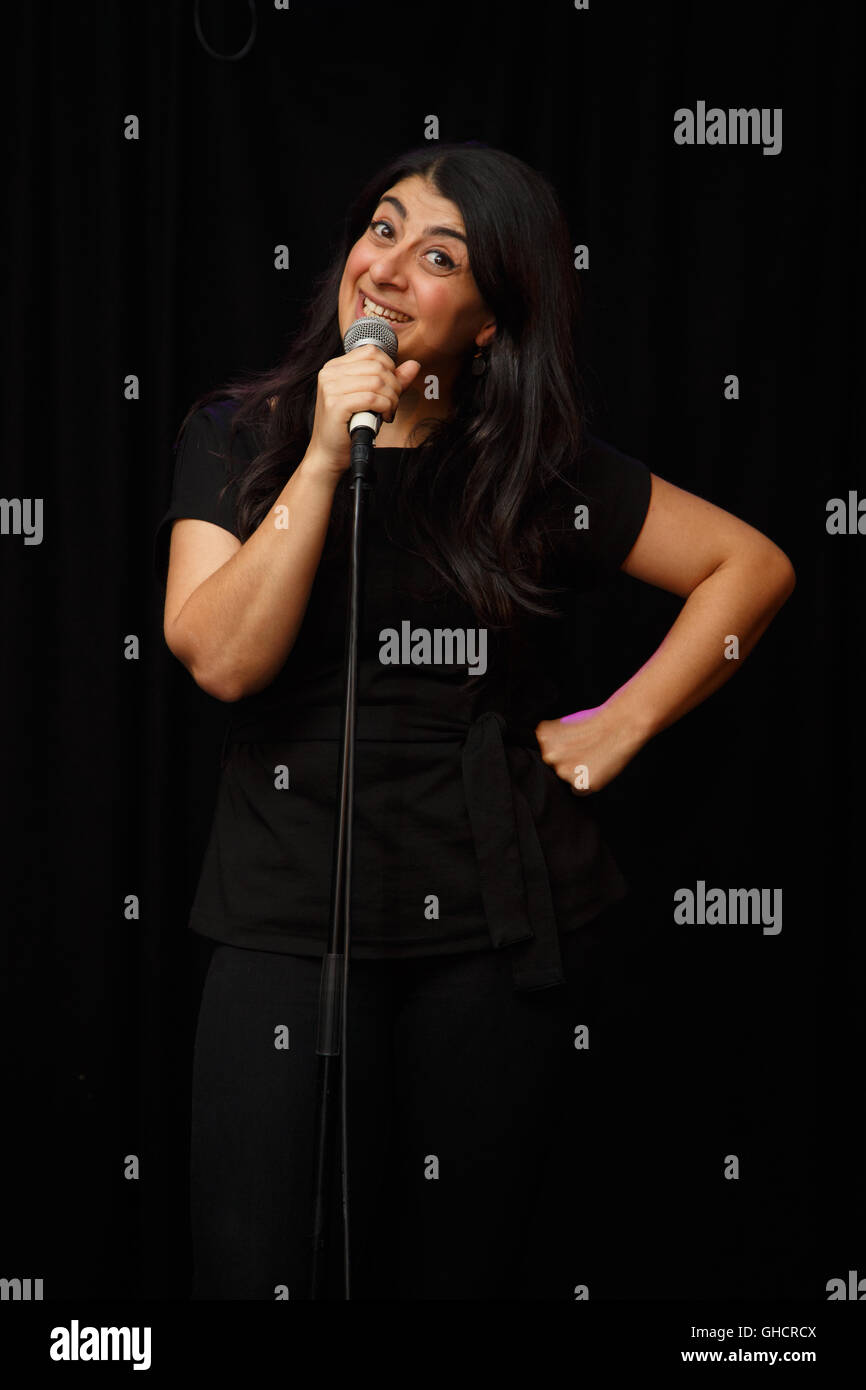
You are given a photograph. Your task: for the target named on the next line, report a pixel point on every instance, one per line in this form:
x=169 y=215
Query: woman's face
x=421 y=273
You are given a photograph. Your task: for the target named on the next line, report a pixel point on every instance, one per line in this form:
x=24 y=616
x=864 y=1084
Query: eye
x=382 y=222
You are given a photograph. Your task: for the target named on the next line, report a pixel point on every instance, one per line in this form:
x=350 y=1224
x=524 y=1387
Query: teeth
x=371 y=308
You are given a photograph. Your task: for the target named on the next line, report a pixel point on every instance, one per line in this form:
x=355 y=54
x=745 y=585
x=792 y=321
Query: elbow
x=787 y=576
x=213 y=683
x=776 y=572
x=217 y=687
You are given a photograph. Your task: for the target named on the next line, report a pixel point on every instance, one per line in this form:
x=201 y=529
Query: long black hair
x=468 y=494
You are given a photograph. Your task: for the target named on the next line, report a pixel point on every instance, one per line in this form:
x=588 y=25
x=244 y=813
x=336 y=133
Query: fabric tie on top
x=515 y=884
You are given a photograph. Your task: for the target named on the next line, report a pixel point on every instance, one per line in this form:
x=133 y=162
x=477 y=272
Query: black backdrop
x=153 y=257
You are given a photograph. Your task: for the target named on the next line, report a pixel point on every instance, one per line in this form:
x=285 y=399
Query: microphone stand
x=334 y=986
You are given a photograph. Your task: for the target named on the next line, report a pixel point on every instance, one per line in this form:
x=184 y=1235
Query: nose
x=388 y=267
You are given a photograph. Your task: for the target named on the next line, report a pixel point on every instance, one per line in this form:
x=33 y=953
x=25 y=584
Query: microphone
x=376 y=331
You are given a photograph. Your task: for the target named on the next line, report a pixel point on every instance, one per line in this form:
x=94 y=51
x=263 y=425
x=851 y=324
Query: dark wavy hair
x=468 y=495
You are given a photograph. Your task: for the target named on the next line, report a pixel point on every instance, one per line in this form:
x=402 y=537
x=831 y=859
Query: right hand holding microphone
x=363 y=379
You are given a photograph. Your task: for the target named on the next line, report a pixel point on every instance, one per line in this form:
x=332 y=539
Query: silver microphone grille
x=371 y=331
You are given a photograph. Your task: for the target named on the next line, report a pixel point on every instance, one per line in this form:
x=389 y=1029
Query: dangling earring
x=479 y=363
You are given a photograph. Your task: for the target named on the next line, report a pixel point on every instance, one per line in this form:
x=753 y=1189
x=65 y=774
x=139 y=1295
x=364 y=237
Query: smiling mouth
x=368 y=308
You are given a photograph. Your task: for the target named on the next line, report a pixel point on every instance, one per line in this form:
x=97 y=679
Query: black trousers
x=459 y=1093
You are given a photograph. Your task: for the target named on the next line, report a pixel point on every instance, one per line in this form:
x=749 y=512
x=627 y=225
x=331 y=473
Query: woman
x=480 y=882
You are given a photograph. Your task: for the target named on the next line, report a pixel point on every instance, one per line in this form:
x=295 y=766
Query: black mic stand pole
x=331 y=1042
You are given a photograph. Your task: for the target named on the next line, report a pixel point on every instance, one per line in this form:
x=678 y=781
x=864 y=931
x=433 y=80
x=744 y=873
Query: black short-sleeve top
x=463 y=838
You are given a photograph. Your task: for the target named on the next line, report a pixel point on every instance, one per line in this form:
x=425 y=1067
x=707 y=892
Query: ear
x=486 y=333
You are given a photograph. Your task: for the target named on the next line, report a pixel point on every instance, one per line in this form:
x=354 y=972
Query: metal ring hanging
x=226 y=57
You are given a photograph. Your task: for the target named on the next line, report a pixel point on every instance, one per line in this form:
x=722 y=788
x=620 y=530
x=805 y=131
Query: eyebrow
x=428 y=231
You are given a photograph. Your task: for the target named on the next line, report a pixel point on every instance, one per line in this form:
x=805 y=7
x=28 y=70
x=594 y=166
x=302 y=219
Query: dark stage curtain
x=152 y=258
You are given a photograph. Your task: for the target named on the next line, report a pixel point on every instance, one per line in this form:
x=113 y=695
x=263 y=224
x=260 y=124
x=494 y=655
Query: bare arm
x=734 y=580
x=233 y=611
